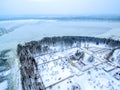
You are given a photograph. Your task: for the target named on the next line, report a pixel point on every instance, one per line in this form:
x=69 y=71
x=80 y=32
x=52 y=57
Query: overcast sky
x=65 y=7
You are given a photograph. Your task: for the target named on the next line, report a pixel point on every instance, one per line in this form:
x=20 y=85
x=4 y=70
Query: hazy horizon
x=59 y=7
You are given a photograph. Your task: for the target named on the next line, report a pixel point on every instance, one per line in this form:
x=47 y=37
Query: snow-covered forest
x=70 y=63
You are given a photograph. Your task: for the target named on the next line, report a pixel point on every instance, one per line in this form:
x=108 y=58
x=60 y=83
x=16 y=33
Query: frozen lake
x=27 y=30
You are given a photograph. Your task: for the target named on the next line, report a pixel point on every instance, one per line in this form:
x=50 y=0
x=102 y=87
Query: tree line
x=37 y=46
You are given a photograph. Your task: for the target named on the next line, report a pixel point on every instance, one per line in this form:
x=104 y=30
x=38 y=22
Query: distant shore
x=61 y=17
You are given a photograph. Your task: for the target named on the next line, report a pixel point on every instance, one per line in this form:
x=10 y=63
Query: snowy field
x=21 y=31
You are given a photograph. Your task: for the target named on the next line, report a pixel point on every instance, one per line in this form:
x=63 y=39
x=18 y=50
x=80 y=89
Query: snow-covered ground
x=59 y=72
x=4 y=85
x=115 y=59
x=28 y=30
